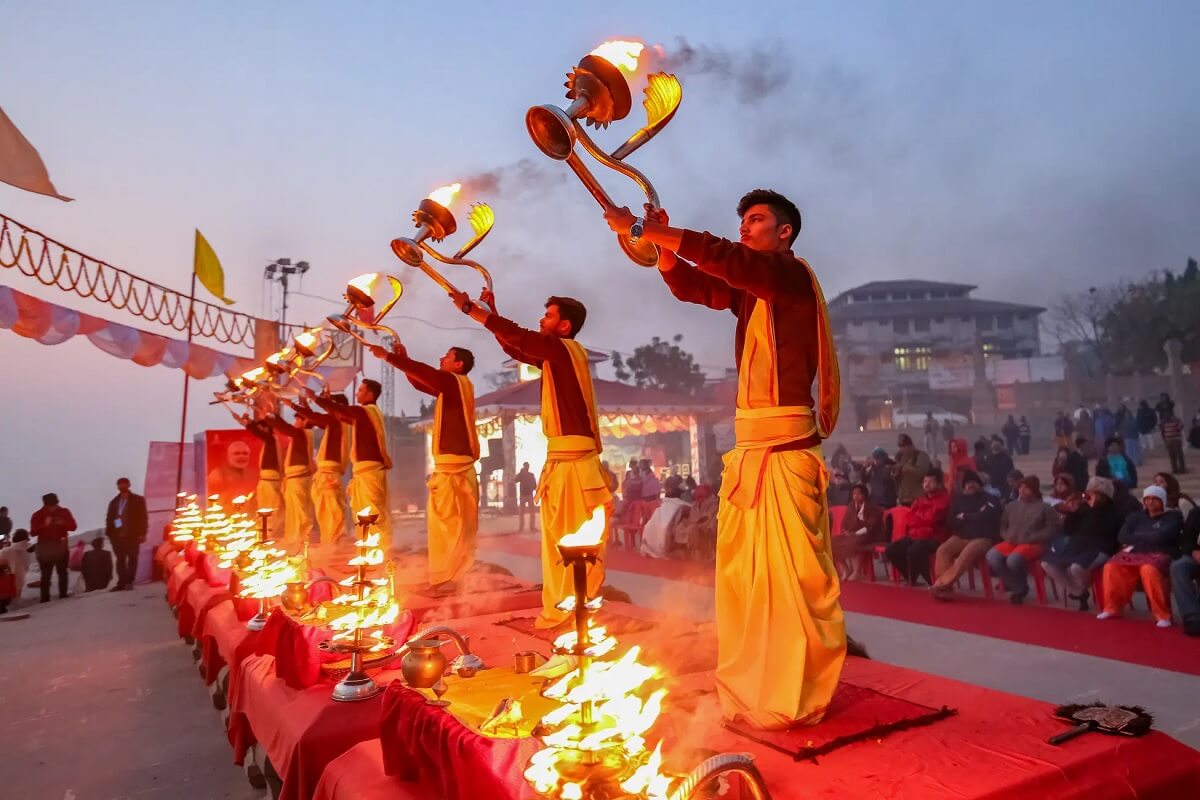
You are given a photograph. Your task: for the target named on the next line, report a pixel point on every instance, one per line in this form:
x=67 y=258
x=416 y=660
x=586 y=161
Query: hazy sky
x=1024 y=147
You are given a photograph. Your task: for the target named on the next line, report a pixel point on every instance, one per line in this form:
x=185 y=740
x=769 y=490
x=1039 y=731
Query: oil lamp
x=600 y=95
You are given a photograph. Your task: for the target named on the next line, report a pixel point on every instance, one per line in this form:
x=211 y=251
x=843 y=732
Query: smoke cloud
x=753 y=74
x=516 y=179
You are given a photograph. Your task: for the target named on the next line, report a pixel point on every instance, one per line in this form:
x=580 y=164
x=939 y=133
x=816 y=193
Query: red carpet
x=1135 y=641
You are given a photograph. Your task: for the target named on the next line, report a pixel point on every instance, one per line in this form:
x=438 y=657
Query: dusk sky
x=1027 y=148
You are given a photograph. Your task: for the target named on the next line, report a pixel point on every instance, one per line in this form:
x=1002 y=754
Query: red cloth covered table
x=357 y=774
x=195 y=599
x=298 y=657
x=181 y=575
x=301 y=731
x=994 y=748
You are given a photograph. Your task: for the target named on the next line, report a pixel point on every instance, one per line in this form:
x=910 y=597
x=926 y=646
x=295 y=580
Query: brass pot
x=295 y=597
x=424 y=663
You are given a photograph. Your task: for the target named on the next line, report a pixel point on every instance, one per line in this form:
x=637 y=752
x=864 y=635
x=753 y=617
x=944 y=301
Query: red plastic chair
x=836 y=515
x=639 y=514
x=896 y=519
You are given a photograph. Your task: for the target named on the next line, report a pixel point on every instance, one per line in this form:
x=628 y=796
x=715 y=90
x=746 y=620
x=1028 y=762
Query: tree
x=1124 y=326
x=501 y=378
x=660 y=365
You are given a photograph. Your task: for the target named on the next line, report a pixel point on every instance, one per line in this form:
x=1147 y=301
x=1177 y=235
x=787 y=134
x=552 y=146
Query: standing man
x=452 y=511
x=776 y=585
x=125 y=526
x=268 y=492
x=328 y=497
x=299 y=517
x=5 y=525
x=1172 y=433
x=572 y=485
x=526 y=488
x=50 y=526
x=369 y=459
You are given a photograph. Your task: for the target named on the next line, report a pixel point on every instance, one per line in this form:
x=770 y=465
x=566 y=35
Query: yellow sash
x=338 y=460
x=269 y=475
x=466 y=392
x=551 y=424
x=452 y=464
x=376 y=417
x=760 y=422
x=296 y=470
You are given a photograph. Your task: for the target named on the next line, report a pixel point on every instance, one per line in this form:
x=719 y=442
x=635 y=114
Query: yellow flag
x=208 y=269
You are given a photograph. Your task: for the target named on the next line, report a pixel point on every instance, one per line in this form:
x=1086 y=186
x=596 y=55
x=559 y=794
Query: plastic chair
x=896 y=521
x=836 y=515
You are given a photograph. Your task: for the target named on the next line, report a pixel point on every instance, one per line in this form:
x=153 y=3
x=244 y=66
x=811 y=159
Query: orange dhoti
x=781 y=636
x=452 y=517
x=368 y=487
x=329 y=503
x=269 y=494
x=571 y=488
x=299 y=517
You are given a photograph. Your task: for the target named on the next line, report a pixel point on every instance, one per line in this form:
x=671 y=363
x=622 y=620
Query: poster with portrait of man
x=230 y=462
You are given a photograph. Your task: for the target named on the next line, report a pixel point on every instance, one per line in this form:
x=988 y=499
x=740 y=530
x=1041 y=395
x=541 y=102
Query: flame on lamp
x=445 y=195
x=589 y=533
x=307 y=340
x=621 y=54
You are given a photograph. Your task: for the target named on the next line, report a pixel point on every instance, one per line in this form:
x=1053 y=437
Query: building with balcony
x=917 y=345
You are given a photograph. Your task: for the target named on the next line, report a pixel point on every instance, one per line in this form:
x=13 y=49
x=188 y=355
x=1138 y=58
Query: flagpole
x=186 y=381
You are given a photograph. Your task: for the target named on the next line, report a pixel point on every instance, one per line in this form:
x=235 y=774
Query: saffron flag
x=208 y=269
x=20 y=164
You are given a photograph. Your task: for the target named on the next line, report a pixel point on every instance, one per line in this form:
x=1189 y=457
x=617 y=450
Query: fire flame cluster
x=596 y=738
x=188 y=520
x=621 y=713
x=359 y=616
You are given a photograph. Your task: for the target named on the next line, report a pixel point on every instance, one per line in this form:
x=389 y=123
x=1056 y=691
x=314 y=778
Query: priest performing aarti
x=299 y=518
x=369 y=459
x=268 y=492
x=780 y=630
x=452 y=510
x=572 y=484
x=328 y=496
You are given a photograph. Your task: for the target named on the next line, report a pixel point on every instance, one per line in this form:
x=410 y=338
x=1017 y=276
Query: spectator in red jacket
x=912 y=554
x=50 y=526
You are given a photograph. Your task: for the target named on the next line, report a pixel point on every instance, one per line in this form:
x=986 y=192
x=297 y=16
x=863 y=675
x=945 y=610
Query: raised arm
x=344 y=413
x=521 y=343
x=689 y=284
x=766 y=274
x=311 y=417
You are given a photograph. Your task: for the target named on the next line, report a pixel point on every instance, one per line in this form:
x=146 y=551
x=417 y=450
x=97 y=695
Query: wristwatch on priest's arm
x=636 y=230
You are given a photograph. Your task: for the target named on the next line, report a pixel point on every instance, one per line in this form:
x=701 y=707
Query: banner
x=159 y=488
x=229 y=462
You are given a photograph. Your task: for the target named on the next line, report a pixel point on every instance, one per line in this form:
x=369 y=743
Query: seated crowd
x=1090 y=535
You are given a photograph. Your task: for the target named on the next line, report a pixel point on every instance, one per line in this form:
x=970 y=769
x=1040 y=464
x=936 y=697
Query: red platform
x=995 y=748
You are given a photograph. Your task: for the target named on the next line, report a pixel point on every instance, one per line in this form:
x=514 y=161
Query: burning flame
x=589 y=533
x=446 y=194
x=241 y=498
x=365 y=283
x=307 y=340
x=254 y=375
x=621 y=54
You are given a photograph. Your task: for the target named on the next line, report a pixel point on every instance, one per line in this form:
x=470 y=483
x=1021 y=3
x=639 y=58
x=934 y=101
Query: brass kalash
x=594 y=742
x=600 y=95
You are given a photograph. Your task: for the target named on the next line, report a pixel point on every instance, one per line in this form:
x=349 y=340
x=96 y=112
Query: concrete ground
x=100 y=700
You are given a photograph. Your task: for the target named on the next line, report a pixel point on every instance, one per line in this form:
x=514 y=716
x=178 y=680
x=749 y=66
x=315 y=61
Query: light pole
x=280 y=270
